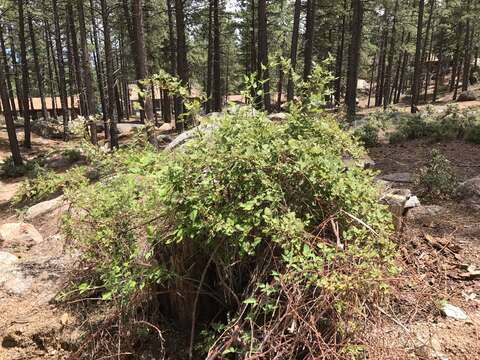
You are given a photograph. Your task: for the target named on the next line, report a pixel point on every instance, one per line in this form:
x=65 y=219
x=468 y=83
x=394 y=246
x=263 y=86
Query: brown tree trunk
x=308 y=45
x=99 y=71
x=89 y=94
x=112 y=116
x=262 y=63
x=182 y=65
x=7 y=113
x=467 y=51
x=38 y=70
x=217 y=76
x=140 y=57
x=25 y=77
x=61 y=71
x=354 y=57
x=209 y=79
x=18 y=82
x=417 y=64
x=75 y=55
x=294 y=48
x=391 y=55
x=51 y=60
x=7 y=75
x=339 y=59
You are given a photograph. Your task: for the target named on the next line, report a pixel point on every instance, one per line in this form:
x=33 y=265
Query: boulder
x=399 y=201
x=49 y=129
x=399 y=177
x=44 y=208
x=424 y=212
x=187 y=135
x=166 y=127
x=365 y=162
x=278 y=117
x=19 y=234
x=7 y=259
x=467 y=96
x=469 y=192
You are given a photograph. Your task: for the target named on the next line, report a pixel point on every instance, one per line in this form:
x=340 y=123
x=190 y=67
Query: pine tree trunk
x=18 y=82
x=339 y=59
x=372 y=74
x=262 y=63
x=51 y=60
x=209 y=79
x=75 y=55
x=417 y=64
x=90 y=103
x=25 y=77
x=391 y=55
x=7 y=75
x=294 y=48
x=112 y=116
x=38 y=71
x=182 y=65
x=7 y=113
x=308 y=45
x=140 y=57
x=173 y=57
x=217 y=76
x=99 y=71
x=467 y=51
x=354 y=57
x=61 y=71
x=439 y=67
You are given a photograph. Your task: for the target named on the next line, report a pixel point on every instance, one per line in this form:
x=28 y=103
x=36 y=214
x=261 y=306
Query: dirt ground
x=409 y=326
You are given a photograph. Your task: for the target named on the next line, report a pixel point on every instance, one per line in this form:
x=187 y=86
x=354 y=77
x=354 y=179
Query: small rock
x=200 y=130
x=7 y=259
x=412 y=202
x=469 y=191
x=454 y=312
x=424 y=212
x=400 y=177
x=467 y=96
x=278 y=116
x=44 y=208
x=166 y=127
x=19 y=234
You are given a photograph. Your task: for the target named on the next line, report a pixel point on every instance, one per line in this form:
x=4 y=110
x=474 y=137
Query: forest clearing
x=239 y=179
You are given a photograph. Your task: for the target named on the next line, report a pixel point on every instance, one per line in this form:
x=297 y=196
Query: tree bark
x=308 y=45
x=217 y=76
x=294 y=48
x=25 y=77
x=182 y=65
x=339 y=59
x=87 y=90
x=354 y=57
x=7 y=74
x=391 y=55
x=61 y=71
x=262 y=63
x=416 y=68
x=140 y=57
x=7 y=113
x=112 y=116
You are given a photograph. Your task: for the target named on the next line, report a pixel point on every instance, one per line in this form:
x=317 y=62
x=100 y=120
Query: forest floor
x=434 y=250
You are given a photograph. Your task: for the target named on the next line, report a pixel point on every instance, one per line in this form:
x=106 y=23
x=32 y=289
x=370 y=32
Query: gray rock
x=278 y=116
x=453 y=312
x=469 y=192
x=126 y=128
x=467 y=96
x=412 y=202
x=44 y=208
x=400 y=177
x=7 y=259
x=187 y=135
x=19 y=234
x=424 y=212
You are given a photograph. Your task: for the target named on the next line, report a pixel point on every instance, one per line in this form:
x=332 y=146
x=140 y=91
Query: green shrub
x=44 y=184
x=265 y=211
x=437 y=179
x=9 y=170
x=368 y=135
